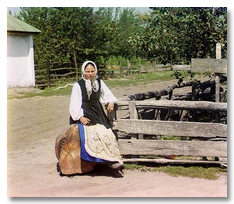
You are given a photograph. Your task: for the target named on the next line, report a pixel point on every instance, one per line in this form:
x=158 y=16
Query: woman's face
x=89 y=72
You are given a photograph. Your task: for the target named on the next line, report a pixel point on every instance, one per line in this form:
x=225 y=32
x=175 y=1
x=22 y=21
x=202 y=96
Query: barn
x=20 y=57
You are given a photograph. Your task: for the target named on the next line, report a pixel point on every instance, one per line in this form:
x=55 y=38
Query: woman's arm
x=75 y=103
x=106 y=94
x=107 y=97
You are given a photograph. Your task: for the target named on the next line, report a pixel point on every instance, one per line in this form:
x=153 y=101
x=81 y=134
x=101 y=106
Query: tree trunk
x=67 y=150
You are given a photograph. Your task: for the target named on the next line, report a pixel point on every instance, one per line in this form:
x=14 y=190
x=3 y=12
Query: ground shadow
x=99 y=170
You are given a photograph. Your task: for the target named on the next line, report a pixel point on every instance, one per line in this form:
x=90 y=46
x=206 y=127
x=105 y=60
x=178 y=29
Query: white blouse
x=76 y=99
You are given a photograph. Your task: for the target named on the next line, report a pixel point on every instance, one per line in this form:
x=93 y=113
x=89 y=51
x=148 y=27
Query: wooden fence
x=196 y=139
x=51 y=73
x=140 y=66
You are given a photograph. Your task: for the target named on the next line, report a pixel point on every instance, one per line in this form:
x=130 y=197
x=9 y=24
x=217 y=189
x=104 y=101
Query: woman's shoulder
x=80 y=82
x=76 y=85
x=100 y=80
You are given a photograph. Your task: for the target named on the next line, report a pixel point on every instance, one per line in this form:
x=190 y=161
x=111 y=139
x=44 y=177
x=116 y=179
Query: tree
x=171 y=35
x=128 y=25
x=174 y=35
x=68 y=30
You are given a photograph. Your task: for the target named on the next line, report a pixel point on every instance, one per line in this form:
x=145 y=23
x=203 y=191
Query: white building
x=20 y=57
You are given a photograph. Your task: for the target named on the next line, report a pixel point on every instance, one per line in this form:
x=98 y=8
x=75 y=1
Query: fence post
x=217 y=80
x=76 y=69
x=48 y=73
x=128 y=66
x=146 y=65
x=121 y=69
x=112 y=73
x=133 y=110
x=139 y=70
x=134 y=115
x=155 y=65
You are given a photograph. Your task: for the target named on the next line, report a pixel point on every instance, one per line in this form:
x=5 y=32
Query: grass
x=137 y=79
x=210 y=173
x=128 y=80
x=44 y=93
x=131 y=80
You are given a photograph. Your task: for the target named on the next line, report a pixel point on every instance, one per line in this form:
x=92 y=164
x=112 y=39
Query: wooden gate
x=188 y=139
x=191 y=142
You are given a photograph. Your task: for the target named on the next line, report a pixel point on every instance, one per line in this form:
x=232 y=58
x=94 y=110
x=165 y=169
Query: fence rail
x=49 y=73
x=203 y=139
x=178 y=105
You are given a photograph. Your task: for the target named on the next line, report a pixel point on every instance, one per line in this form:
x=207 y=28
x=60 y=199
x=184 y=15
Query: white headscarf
x=90 y=84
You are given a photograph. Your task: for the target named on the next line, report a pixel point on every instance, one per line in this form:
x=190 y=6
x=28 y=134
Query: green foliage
x=65 y=31
x=177 y=74
x=174 y=35
x=128 y=24
x=170 y=35
x=81 y=32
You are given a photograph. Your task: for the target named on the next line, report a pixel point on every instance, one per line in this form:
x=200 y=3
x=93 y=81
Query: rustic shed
x=20 y=57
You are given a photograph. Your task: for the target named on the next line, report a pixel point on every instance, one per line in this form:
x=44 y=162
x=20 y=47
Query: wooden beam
x=178 y=105
x=134 y=115
x=48 y=73
x=133 y=110
x=218 y=51
x=171 y=128
x=181 y=67
x=171 y=147
x=76 y=68
x=211 y=65
x=170 y=161
x=217 y=81
x=158 y=94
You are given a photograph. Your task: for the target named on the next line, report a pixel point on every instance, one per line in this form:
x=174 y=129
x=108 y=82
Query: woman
x=98 y=143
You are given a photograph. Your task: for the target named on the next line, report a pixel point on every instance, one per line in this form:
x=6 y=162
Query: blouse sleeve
x=106 y=95
x=75 y=102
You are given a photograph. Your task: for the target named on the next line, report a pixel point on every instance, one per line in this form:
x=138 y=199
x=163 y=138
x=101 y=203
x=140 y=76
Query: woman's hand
x=110 y=107
x=84 y=120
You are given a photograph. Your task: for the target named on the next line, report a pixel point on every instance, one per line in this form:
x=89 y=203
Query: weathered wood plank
x=172 y=128
x=181 y=67
x=178 y=105
x=63 y=68
x=211 y=65
x=133 y=110
x=157 y=94
x=62 y=75
x=218 y=51
x=170 y=147
x=170 y=161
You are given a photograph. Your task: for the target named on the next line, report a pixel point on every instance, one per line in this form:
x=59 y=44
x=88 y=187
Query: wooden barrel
x=67 y=150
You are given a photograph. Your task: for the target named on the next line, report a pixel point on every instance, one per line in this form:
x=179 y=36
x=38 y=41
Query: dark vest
x=92 y=108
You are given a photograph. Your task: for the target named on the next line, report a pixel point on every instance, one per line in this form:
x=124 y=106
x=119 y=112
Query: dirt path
x=33 y=125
